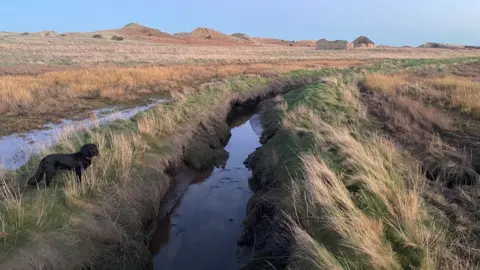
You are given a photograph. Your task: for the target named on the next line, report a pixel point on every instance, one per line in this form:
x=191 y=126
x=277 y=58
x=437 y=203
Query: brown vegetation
x=383 y=176
x=436 y=119
x=117 y=38
x=80 y=49
x=66 y=93
x=456 y=92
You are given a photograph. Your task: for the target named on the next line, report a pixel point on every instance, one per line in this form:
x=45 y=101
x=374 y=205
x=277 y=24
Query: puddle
x=19 y=147
x=202 y=220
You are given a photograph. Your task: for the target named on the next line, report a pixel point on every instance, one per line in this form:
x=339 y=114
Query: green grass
x=416 y=64
x=371 y=181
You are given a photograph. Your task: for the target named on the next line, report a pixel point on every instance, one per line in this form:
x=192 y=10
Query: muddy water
x=202 y=220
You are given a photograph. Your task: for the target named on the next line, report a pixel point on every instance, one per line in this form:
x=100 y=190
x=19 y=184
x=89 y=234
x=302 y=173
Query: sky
x=406 y=22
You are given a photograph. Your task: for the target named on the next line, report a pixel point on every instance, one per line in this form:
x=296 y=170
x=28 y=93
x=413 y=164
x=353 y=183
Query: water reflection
x=256 y=124
x=202 y=228
x=185 y=177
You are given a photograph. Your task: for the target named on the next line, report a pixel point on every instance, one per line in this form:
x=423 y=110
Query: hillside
x=138 y=31
x=304 y=43
x=219 y=37
x=199 y=36
x=208 y=36
x=273 y=41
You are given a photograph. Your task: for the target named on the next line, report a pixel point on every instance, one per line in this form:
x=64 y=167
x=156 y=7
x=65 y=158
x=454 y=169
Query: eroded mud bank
x=266 y=241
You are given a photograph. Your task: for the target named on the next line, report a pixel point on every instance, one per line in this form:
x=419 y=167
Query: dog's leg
x=37 y=177
x=50 y=172
x=78 y=171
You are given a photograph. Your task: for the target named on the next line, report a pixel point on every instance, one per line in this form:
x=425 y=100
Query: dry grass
x=360 y=200
x=422 y=119
x=463 y=92
x=355 y=185
x=434 y=117
x=454 y=91
x=387 y=84
x=35 y=94
x=365 y=207
x=69 y=93
x=109 y=191
x=73 y=50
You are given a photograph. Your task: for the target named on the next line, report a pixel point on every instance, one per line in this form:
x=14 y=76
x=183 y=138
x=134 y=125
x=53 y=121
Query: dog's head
x=89 y=150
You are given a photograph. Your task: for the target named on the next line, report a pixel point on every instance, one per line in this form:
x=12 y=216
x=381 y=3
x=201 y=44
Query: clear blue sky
x=406 y=22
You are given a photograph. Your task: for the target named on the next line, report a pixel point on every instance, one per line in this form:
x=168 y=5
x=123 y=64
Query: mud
x=201 y=221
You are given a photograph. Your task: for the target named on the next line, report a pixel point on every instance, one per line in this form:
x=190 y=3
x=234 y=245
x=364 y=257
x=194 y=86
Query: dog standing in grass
x=77 y=162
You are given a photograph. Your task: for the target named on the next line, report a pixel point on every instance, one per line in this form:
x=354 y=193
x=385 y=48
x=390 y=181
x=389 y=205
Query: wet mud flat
x=201 y=220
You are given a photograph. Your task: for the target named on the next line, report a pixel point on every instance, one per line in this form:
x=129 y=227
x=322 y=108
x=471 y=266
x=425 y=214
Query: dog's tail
x=38 y=176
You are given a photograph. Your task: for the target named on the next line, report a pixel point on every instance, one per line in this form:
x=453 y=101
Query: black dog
x=73 y=162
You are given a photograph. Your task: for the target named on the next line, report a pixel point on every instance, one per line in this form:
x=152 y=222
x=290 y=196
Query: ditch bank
x=266 y=241
x=213 y=181
x=207 y=207
x=112 y=235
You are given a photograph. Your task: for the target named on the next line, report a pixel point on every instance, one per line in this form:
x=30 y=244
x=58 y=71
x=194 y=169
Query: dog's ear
x=86 y=150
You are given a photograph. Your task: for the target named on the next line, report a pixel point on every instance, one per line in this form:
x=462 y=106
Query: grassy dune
x=346 y=163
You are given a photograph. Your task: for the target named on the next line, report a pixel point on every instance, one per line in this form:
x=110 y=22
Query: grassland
x=377 y=171
x=80 y=50
x=67 y=76
x=376 y=167
x=124 y=187
x=68 y=93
